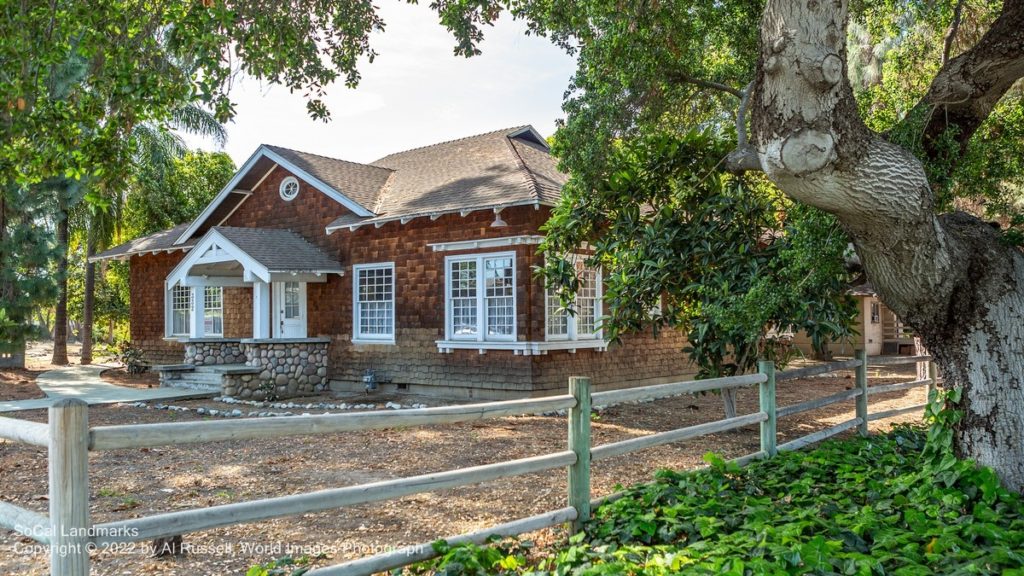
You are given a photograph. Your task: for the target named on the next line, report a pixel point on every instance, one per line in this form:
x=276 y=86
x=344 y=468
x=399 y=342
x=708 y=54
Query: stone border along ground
x=237 y=413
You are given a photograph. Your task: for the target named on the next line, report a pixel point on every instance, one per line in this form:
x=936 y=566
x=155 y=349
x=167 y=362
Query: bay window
x=481 y=297
x=583 y=324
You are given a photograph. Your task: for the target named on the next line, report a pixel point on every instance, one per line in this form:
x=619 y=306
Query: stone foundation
x=200 y=352
x=282 y=368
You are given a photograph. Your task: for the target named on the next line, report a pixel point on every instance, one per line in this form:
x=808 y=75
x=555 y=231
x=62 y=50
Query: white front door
x=290 y=309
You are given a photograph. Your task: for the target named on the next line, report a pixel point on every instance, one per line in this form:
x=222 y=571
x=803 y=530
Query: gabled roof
x=508 y=167
x=279 y=250
x=480 y=170
x=324 y=174
x=360 y=182
x=261 y=252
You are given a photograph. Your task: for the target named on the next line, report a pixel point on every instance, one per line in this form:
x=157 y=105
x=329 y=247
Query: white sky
x=415 y=93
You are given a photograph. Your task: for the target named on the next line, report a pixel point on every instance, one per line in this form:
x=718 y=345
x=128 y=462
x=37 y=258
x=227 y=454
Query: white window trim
x=481 y=300
x=487 y=243
x=358 y=338
x=169 y=314
x=522 y=348
x=284 y=183
x=214 y=334
x=571 y=334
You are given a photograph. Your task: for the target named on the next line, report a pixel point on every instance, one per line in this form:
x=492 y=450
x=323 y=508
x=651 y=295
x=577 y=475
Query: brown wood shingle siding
x=420 y=304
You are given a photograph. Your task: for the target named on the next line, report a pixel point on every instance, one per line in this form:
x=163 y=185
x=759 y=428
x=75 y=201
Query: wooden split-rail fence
x=68 y=437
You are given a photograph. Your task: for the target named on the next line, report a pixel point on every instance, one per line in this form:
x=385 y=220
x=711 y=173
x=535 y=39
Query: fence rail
x=24 y=431
x=69 y=438
x=177 y=433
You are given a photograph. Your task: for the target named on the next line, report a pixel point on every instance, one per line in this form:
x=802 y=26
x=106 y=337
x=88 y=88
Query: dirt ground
x=140 y=482
x=120 y=377
x=38 y=355
x=18 y=384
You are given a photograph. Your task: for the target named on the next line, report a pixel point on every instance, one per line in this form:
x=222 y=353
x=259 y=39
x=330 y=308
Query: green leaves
x=723 y=258
x=860 y=507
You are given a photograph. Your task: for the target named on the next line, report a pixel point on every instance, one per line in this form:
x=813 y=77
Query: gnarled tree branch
x=744 y=158
x=954 y=26
x=968 y=87
x=710 y=84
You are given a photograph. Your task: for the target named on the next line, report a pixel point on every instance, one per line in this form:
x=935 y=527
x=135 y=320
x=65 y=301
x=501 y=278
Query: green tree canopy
x=164 y=195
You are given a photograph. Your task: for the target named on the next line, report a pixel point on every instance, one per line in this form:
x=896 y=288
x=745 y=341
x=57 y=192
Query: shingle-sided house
x=307 y=272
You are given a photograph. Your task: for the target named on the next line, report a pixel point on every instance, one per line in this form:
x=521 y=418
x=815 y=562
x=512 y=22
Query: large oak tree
x=950 y=275
x=784 y=66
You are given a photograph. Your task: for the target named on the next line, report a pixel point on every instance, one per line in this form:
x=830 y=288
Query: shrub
x=131 y=357
x=868 y=506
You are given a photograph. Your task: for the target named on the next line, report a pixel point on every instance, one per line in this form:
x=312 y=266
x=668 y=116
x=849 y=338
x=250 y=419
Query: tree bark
x=89 y=298
x=60 y=323
x=948 y=276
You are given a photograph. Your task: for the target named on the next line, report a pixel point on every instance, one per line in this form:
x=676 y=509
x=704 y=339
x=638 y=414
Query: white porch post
x=198 y=323
x=260 y=309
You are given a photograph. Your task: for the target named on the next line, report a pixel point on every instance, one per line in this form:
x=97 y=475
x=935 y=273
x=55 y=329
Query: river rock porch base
x=256 y=369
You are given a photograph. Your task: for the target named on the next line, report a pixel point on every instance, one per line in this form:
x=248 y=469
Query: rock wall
x=281 y=369
x=210 y=352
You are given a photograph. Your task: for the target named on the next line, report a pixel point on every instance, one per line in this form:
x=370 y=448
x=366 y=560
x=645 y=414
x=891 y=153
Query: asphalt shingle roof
x=499 y=168
x=360 y=182
x=155 y=242
x=481 y=170
x=279 y=250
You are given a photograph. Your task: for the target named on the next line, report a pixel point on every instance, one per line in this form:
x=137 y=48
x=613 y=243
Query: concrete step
x=227 y=369
x=207 y=379
x=188 y=385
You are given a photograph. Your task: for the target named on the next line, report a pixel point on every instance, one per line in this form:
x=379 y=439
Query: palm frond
x=195 y=119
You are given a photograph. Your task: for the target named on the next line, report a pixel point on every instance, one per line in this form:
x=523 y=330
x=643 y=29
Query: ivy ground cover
x=864 y=506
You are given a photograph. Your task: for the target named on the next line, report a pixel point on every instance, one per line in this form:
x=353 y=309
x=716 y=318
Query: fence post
x=933 y=378
x=69 y=487
x=862 y=385
x=767 y=400
x=579 y=442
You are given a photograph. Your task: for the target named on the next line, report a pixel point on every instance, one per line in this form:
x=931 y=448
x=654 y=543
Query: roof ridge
x=332 y=158
x=505 y=130
x=383 y=193
x=531 y=178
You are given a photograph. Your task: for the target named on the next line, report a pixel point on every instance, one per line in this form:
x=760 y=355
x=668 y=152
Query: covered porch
x=276 y=357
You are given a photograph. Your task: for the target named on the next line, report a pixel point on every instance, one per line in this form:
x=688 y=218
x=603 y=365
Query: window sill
x=372 y=342
x=522 y=348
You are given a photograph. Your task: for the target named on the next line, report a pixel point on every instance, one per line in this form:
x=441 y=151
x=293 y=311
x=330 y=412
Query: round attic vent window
x=289 y=188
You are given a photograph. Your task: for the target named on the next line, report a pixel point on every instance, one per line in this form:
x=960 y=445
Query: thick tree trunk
x=88 y=299
x=60 y=328
x=949 y=277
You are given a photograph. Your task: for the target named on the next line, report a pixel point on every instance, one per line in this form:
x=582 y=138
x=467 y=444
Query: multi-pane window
x=213 y=311
x=463 y=297
x=181 y=308
x=292 y=299
x=500 y=297
x=588 y=303
x=557 y=317
x=482 y=297
x=585 y=323
x=374 y=302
